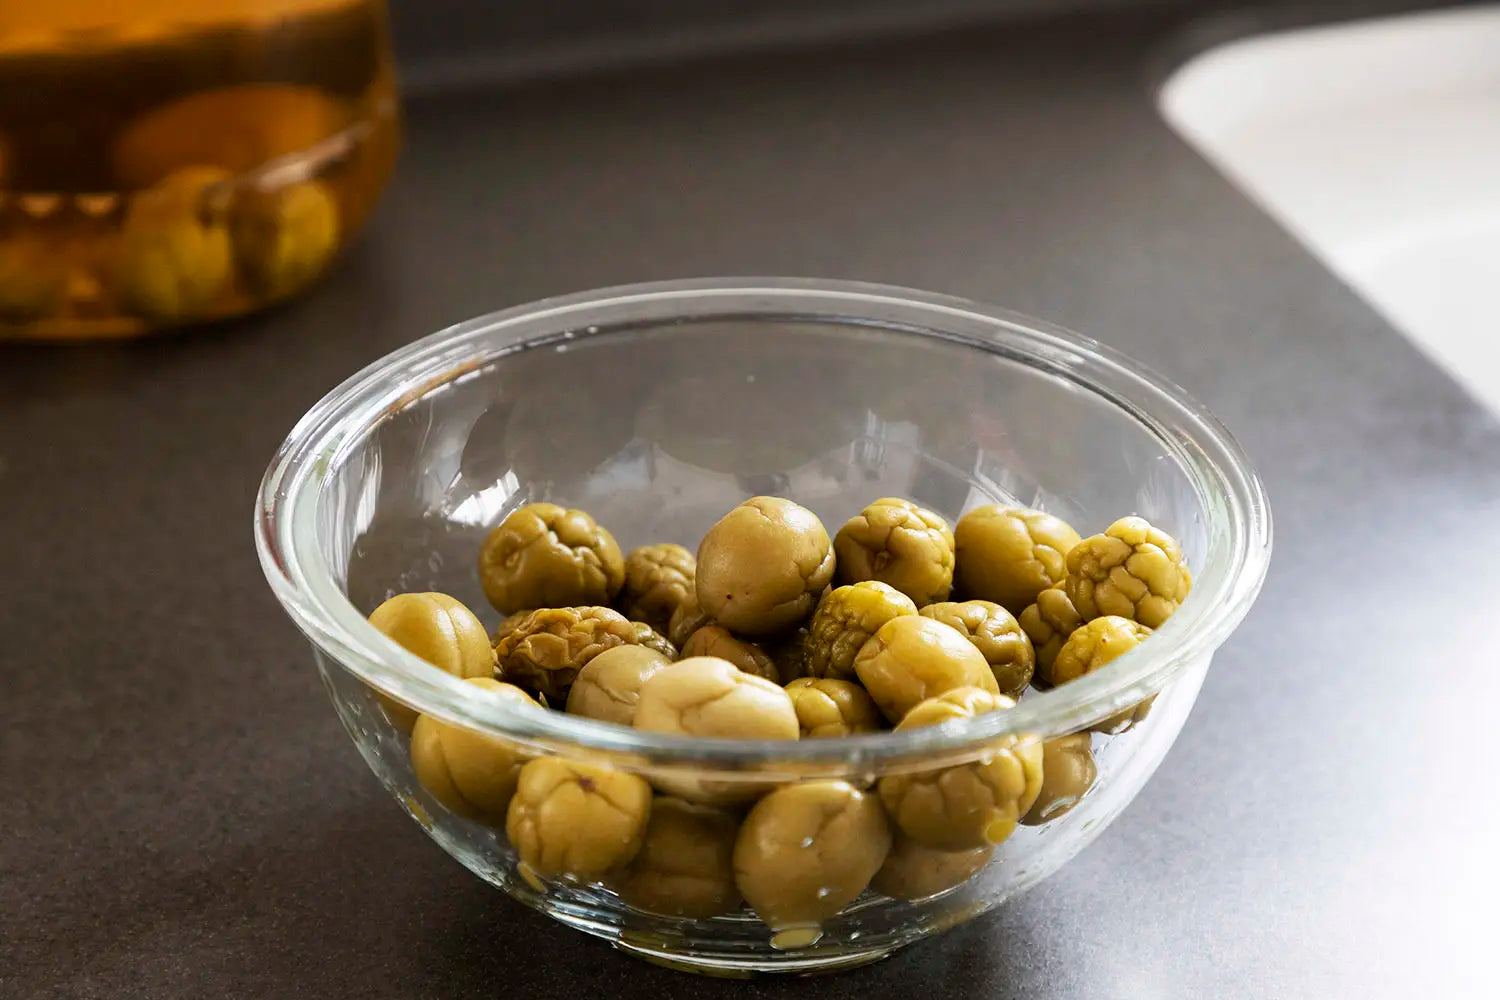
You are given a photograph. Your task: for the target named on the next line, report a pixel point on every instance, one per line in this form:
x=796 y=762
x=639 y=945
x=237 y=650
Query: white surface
x=1378 y=145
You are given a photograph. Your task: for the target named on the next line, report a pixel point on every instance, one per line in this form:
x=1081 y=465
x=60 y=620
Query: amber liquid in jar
x=165 y=162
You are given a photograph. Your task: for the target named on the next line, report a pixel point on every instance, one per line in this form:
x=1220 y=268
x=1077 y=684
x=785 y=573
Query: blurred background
x=174 y=162
x=445 y=40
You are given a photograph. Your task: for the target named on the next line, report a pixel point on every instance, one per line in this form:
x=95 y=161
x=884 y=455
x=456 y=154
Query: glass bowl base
x=741 y=966
x=724 y=959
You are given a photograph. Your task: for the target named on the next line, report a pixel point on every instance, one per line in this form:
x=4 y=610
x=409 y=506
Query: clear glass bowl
x=657 y=408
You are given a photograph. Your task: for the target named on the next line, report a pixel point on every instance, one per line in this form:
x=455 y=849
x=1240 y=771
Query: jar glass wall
x=169 y=162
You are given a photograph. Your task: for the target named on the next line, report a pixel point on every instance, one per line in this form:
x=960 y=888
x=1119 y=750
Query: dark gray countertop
x=186 y=819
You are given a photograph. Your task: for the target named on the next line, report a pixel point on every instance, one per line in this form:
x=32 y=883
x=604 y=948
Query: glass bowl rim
x=1230 y=495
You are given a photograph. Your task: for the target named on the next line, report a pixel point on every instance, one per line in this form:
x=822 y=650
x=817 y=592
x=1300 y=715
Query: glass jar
x=165 y=162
